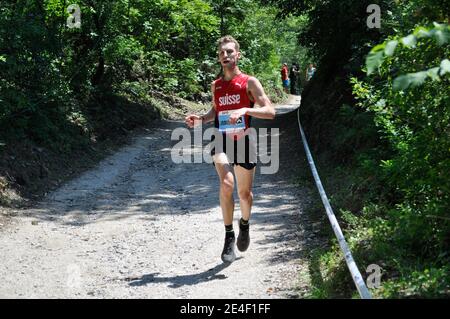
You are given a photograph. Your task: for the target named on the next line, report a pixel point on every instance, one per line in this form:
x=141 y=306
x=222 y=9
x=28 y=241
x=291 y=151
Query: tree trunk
x=98 y=75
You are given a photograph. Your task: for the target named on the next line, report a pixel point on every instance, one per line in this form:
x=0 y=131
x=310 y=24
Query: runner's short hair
x=227 y=39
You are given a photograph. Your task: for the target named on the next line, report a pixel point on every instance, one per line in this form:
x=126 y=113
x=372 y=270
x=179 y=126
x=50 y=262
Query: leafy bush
x=406 y=229
x=414 y=115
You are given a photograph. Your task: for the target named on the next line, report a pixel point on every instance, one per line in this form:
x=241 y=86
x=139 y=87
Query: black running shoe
x=228 y=255
x=243 y=240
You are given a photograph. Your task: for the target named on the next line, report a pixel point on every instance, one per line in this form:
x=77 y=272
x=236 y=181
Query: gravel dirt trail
x=141 y=226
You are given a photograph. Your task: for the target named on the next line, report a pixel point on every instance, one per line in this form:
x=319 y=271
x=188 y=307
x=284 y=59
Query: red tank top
x=232 y=95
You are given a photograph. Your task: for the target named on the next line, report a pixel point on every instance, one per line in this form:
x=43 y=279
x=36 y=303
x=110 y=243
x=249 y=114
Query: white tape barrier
x=356 y=275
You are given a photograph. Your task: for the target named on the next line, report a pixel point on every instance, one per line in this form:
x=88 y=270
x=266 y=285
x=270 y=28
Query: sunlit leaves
x=390 y=47
x=445 y=67
x=412 y=79
x=377 y=56
x=409 y=41
x=374 y=61
x=403 y=82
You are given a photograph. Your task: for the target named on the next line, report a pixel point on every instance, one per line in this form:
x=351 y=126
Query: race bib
x=226 y=126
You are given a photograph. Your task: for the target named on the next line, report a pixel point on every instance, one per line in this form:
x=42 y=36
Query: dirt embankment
x=29 y=171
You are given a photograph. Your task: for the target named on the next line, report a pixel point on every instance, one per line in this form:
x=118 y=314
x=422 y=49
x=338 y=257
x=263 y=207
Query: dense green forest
x=378 y=107
x=57 y=80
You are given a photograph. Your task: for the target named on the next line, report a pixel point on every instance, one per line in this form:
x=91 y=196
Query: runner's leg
x=226 y=180
x=244 y=179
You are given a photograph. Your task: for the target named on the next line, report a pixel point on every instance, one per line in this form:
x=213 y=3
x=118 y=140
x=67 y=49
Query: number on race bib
x=226 y=126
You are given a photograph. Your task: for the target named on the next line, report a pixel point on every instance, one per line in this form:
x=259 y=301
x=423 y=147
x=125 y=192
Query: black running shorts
x=244 y=157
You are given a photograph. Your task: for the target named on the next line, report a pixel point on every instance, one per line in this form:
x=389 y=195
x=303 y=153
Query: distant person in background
x=310 y=70
x=295 y=72
x=285 y=77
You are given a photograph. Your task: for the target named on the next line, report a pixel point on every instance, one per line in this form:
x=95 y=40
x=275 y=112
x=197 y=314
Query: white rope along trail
x=356 y=275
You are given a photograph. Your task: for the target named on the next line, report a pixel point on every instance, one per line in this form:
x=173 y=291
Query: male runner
x=234 y=97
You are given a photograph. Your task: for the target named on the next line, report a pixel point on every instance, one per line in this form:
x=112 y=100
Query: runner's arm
x=265 y=109
x=209 y=116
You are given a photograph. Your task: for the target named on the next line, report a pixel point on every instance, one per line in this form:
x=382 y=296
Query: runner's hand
x=237 y=115
x=192 y=120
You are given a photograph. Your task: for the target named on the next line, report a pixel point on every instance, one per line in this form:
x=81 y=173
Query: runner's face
x=228 y=56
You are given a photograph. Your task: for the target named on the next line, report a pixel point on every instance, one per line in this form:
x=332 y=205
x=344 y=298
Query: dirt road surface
x=141 y=226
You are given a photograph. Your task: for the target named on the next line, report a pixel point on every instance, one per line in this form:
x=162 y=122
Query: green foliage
x=371 y=238
x=440 y=33
x=50 y=72
x=390 y=125
x=427 y=282
x=414 y=116
x=267 y=43
x=231 y=13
